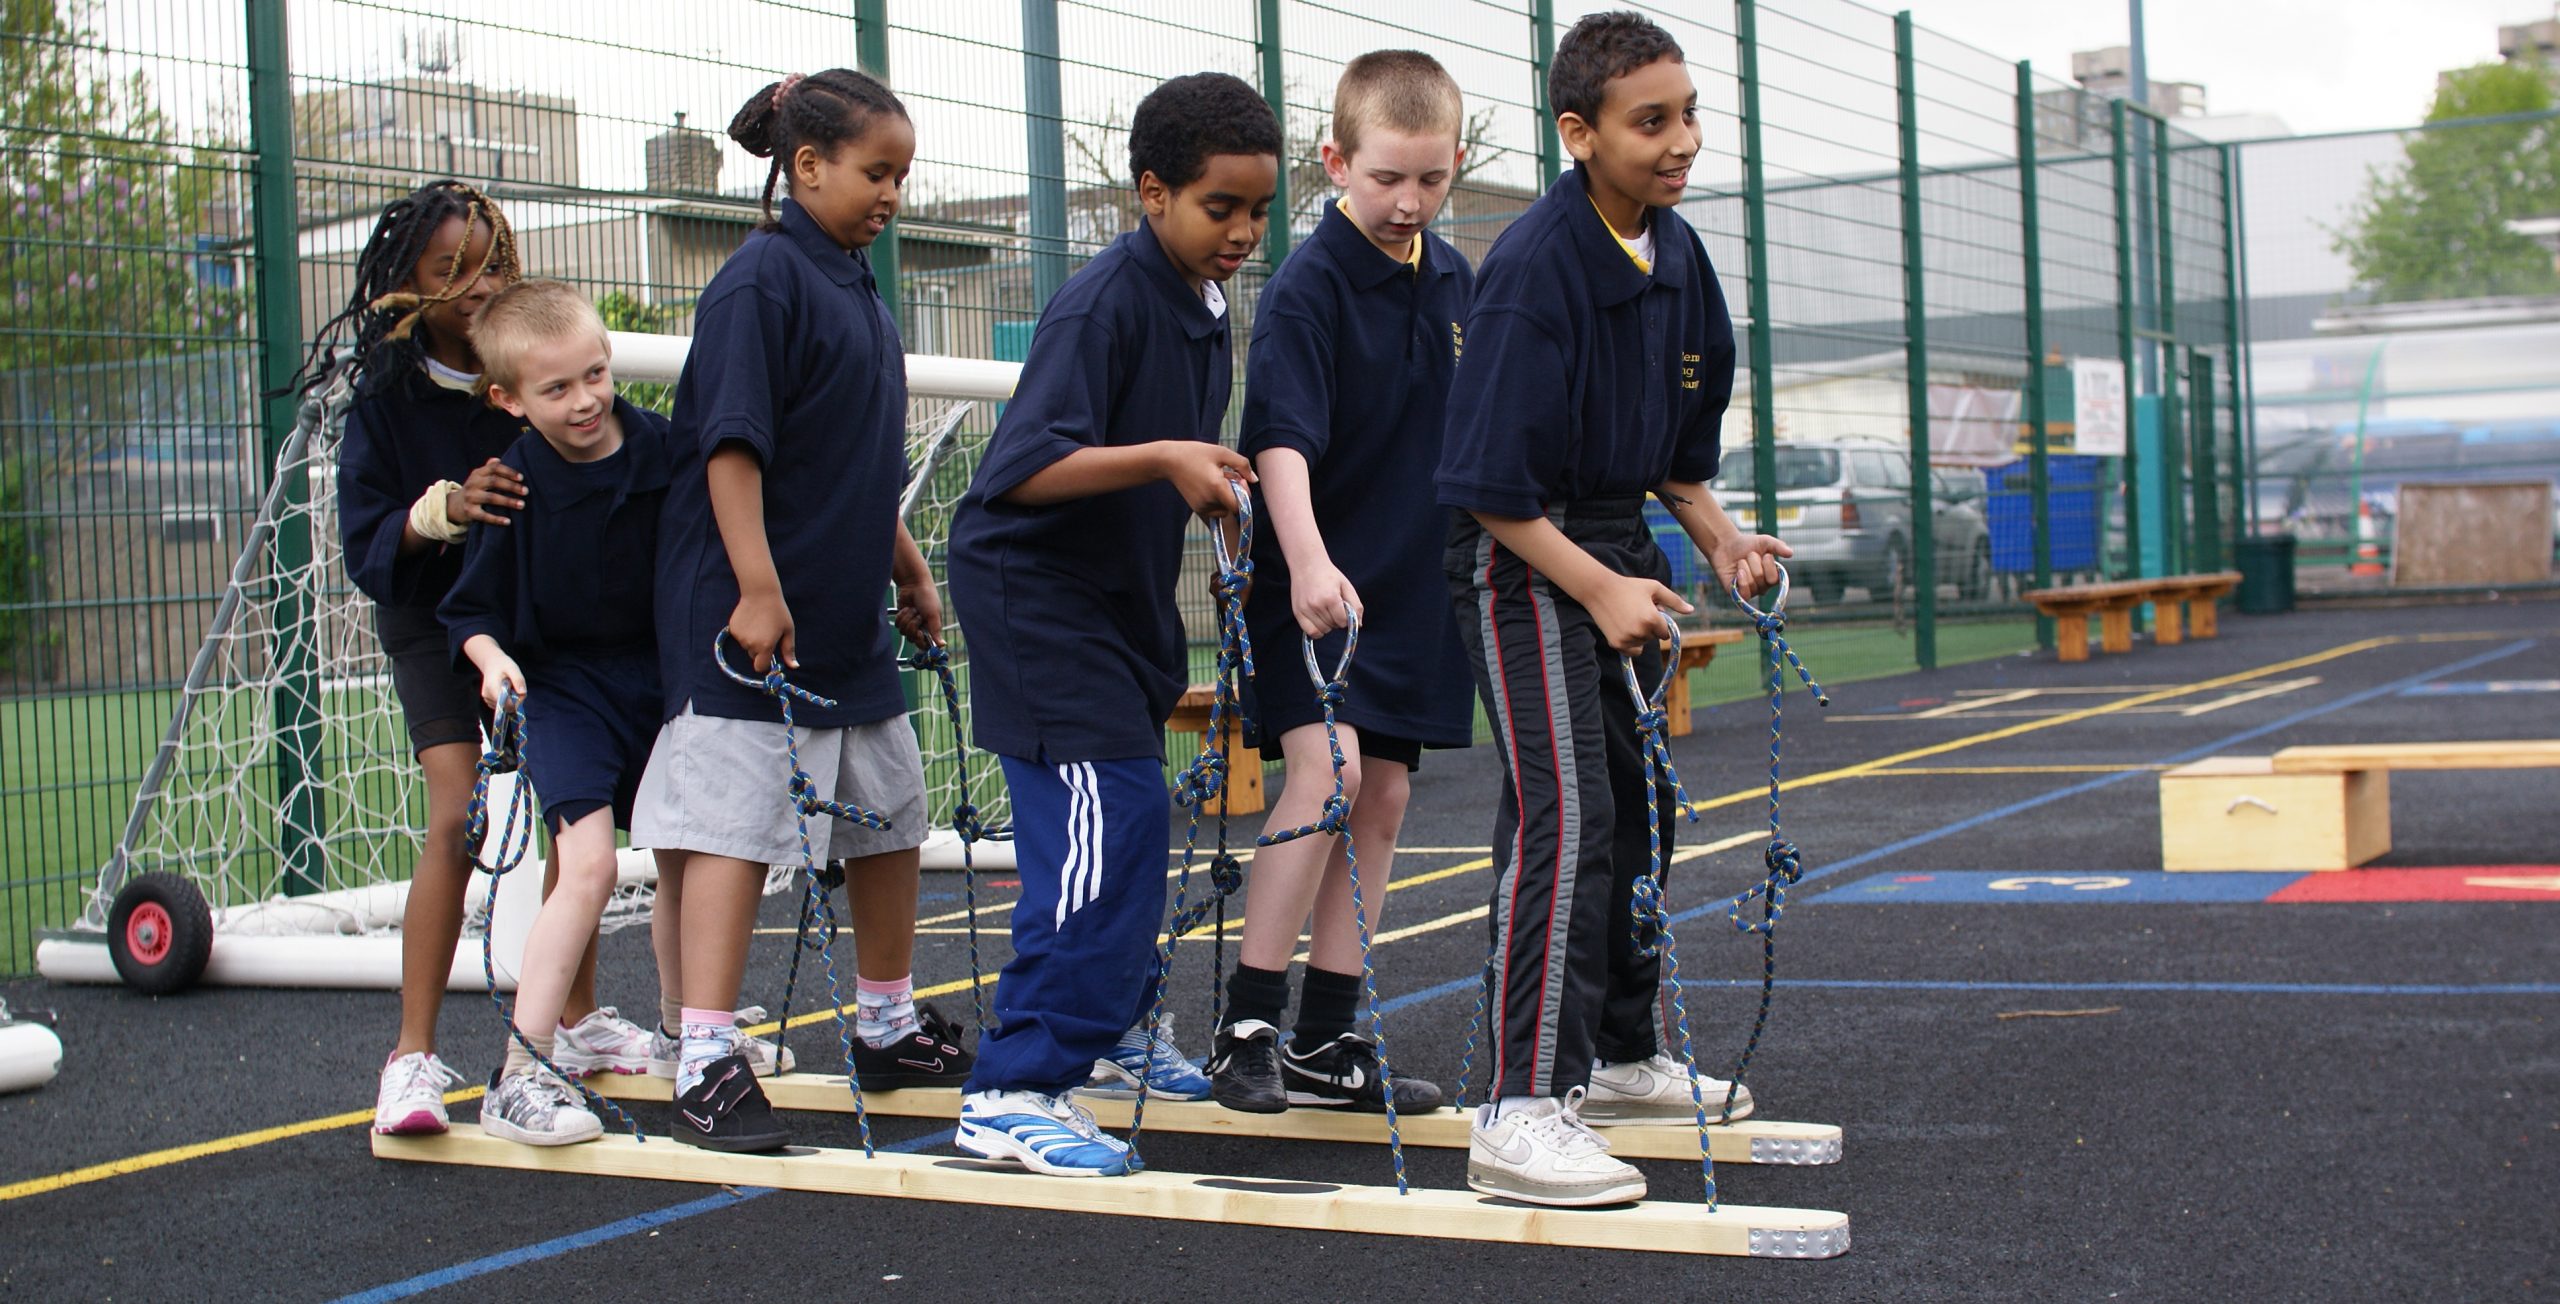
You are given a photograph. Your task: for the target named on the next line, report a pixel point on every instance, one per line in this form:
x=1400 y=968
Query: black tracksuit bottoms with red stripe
x=1569 y=838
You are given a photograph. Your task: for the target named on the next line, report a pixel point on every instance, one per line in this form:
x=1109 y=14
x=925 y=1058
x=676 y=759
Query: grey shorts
x=723 y=787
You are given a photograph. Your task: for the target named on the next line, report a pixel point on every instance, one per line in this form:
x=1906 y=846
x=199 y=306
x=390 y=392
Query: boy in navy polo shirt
x=1354 y=344
x=1064 y=556
x=1599 y=361
x=555 y=608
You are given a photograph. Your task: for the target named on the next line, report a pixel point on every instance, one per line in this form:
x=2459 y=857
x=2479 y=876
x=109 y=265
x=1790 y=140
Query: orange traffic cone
x=2368 y=550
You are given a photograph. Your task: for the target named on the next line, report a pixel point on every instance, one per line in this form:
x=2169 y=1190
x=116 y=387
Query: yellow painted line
x=2251 y=695
x=245 y=1140
x=1925 y=771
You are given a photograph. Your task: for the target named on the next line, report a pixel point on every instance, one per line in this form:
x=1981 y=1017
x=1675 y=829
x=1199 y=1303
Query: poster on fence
x=2097 y=406
x=1972 y=426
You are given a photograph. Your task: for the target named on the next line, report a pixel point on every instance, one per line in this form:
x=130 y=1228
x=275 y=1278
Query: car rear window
x=1798 y=468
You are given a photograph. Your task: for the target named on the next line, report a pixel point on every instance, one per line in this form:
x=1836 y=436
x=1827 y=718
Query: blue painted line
x=2079 y=789
x=643 y=1222
x=2469 y=687
x=2005 y=887
x=560 y=1245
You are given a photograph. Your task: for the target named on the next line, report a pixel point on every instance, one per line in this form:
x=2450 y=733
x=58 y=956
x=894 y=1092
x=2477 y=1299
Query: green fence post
x=2244 y=475
x=1275 y=91
x=1542 y=56
x=2208 y=477
x=2031 y=262
x=276 y=239
x=2177 y=551
x=1915 y=353
x=1755 y=238
x=1044 y=130
x=2126 y=342
x=871 y=50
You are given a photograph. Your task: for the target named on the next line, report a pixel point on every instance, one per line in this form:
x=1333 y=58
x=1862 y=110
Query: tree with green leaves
x=2436 y=227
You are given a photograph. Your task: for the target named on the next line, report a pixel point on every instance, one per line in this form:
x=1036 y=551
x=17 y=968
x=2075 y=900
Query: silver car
x=1845 y=507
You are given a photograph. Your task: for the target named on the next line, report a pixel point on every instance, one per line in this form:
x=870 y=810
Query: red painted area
x=2470 y=883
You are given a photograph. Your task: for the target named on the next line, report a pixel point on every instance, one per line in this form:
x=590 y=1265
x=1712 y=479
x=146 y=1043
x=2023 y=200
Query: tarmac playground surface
x=2240 y=1087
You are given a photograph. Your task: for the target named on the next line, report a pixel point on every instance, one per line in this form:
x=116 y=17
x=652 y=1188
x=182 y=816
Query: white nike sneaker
x=602 y=1042
x=1657 y=1091
x=761 y=1055
x=410 y=1099
x=1542 y=1153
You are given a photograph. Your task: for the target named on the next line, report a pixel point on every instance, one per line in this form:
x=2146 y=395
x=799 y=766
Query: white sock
x=884 y=1011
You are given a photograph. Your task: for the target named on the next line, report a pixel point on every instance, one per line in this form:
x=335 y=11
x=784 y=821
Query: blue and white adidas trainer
x=1046 y=1134
x=1167 y=1073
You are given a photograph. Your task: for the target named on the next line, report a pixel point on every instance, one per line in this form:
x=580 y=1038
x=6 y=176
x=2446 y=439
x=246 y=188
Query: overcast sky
x=2321 y=65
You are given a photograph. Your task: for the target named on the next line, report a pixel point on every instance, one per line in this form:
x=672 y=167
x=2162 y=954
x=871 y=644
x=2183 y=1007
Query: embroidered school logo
x=1457 y=340
x=1688 y=371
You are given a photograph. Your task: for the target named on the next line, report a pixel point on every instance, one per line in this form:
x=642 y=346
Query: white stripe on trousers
x=1081 y=876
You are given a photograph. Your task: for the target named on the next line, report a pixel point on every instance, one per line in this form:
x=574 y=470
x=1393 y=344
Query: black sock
x=1325 y=1008
x=1257 y=994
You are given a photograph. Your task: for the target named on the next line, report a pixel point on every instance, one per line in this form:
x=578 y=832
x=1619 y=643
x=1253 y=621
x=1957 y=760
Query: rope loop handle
x=935 y=659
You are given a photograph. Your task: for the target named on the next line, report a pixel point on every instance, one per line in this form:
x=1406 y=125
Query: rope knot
x=1330 y=693
x=1785 y=865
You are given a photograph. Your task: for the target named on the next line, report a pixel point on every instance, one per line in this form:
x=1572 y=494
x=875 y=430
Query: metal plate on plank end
x=1795 y=1150
x=1798 y=1243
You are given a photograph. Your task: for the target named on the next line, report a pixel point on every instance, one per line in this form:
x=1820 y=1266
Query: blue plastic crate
x=2071 y=514
x=1688 y=569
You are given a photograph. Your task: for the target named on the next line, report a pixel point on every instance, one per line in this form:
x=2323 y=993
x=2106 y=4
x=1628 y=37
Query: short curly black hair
x=1183 y=122
x=1599 y=49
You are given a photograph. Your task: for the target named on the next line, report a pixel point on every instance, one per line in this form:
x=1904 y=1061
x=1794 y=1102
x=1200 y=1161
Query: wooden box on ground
x=2239 y=813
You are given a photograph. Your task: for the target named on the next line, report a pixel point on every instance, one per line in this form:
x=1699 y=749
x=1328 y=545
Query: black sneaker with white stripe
x=1343 y=1074
x=727 y=1111
x=930 y=1056
x=1244 y=1068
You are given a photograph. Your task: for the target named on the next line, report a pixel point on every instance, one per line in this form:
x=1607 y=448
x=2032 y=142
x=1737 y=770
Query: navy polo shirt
x=795 y=359
x=578 y=576
x=403 y=438
x=1075 y=648
x=1352 y=358
x=1584 y=377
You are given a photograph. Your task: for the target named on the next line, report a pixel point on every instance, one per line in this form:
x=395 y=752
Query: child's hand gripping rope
x=1335 y=821
x=505 y=755
x=818 y=900
x=1205 y=780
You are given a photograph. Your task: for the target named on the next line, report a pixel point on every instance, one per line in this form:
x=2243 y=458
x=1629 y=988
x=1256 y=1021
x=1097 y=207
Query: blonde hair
x=1401 y=90
x=524 y=316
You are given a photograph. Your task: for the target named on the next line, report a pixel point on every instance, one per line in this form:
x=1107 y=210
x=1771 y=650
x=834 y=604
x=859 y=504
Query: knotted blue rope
x=1335 y=820
x=935 y=659
x=1204 y=781
x=818 y=901
x=504 y=755
x=1783 y=864
x=1651 y=923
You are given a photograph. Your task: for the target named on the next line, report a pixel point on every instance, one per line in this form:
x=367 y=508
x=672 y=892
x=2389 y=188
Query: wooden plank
x=1697 y=652
x=1751 y=1141
x=2516 y=755
x=1665 y=1226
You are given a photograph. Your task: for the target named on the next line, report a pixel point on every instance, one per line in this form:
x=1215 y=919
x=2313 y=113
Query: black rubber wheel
x=160 y=934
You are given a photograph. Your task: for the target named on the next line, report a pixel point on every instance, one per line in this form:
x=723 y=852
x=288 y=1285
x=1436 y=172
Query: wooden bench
x=2182 y=604
x=1697 y=652
x=2308 y=808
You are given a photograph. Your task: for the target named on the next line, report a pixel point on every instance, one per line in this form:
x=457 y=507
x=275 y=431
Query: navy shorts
x=589 y=723
x=441 y=705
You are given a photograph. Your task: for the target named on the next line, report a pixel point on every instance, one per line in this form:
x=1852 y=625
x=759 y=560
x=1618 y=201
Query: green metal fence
x=1905 y=224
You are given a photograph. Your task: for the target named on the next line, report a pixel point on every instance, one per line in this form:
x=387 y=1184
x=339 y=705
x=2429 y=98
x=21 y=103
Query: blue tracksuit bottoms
x=1090 y=839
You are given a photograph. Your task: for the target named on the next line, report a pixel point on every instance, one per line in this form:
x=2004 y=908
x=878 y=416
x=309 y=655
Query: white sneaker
x=602 y=1042
x=410 y=1101
x=1657 y=1091
x=664 y=1050
x=1046 y=1134
x=536 y=1109
x=1543 y=1154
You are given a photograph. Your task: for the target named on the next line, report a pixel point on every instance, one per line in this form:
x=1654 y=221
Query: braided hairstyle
x=386 y=305
x=824 y=110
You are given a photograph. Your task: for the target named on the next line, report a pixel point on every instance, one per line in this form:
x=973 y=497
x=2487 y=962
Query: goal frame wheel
x=159 y=934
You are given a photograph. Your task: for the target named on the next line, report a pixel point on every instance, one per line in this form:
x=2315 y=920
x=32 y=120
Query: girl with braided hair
x=419 y=465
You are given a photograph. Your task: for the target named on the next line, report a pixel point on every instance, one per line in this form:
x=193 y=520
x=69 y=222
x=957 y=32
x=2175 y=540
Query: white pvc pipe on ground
x=660 y=359
x=30 y=1054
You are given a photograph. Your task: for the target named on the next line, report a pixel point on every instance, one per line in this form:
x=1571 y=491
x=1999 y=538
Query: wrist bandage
x=427 y=515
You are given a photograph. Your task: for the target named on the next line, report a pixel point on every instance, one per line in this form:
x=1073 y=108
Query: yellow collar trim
x=1623 y=243
x=1412 y=257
